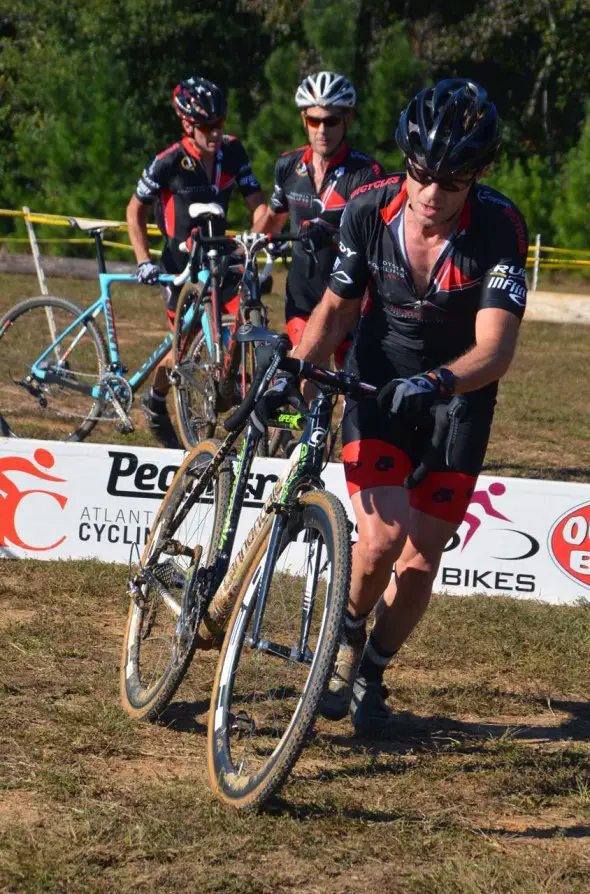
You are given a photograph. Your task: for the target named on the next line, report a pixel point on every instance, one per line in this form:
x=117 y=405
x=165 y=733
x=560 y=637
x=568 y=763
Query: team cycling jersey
x=401 y=332
x=176 y=178
x=295 y=193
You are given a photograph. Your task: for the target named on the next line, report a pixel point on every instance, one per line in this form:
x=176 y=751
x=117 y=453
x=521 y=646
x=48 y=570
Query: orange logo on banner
x=569 y=543
x=11 y=497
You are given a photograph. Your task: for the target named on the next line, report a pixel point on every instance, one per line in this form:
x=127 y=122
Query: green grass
x=541 y=425
x=483 y=788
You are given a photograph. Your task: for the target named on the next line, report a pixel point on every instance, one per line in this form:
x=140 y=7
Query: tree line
x=85 y=89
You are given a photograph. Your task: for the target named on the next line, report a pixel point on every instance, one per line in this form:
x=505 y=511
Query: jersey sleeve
x=504 y=284
x=153 y=179
x=350 y=273
x=245 y=178
x=278 y=200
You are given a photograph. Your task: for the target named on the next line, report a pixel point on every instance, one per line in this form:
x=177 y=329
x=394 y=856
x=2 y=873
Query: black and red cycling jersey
x=402 y=333
x=176 y=178
x=295 y=193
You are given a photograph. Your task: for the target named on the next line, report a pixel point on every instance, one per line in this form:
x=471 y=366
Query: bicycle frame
x=103 y=305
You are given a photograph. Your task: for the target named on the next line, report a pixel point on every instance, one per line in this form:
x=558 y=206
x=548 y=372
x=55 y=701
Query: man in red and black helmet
x=443 y=259
x=203 y=166
x=312 y=186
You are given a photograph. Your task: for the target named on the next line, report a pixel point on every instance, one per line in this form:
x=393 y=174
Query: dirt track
x=558 y=307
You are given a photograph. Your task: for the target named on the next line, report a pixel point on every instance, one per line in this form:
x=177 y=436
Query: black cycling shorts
x=380 y=450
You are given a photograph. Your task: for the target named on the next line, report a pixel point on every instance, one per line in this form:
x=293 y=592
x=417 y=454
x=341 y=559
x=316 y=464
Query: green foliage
x=85 y=88
x=571 y=215
x=529 y=185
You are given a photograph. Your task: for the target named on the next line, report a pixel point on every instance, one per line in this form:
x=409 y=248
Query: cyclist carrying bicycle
x=312 y=186
x=443 y=258
x=203 y=166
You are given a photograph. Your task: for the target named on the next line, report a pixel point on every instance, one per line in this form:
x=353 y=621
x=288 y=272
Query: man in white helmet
x=312 y=186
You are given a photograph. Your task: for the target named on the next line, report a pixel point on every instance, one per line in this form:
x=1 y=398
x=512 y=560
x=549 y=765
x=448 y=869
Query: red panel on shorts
x=295 y=327
x=232 y=306
x=444 y=495
x=374 y=463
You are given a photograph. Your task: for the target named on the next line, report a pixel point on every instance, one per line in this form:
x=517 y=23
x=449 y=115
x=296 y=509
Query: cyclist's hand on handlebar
x=279 y=249
x=317 y=234
x=148 y=273
x=283 y=392
x=416 y=395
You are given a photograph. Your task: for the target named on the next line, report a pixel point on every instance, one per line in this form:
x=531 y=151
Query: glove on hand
x=147 y=273
x=284 y=392
x=416 y=395
x=318 y=235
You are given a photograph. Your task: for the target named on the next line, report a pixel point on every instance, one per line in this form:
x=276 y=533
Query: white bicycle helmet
x=326 y=88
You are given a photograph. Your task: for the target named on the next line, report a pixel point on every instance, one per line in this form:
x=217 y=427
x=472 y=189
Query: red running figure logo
x=11 y=497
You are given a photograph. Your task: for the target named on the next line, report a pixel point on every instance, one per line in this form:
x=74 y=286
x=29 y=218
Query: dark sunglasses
x=208 y=126
x=328 y=121
x=424 y=178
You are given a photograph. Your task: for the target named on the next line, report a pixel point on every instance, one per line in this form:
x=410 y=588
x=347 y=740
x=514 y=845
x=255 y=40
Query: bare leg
x=407 y=596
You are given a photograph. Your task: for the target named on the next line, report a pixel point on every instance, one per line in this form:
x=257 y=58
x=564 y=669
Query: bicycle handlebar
x=271 y=358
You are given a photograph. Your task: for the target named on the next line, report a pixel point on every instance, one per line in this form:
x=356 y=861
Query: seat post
x=99 y=251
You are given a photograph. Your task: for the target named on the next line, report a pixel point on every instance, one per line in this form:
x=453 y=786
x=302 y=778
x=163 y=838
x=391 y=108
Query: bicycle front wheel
x=159 y=640
x=266 y=693
x=33 y=406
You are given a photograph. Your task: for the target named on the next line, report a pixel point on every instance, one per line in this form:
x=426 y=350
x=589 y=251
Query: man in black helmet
x=204 y=166
x=443 y=259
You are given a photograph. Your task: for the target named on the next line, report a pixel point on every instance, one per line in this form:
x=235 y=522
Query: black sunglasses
x=425 y=178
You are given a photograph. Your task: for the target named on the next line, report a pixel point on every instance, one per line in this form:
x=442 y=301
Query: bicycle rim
x=265 y=699
x=31 y=406
x=168 y=582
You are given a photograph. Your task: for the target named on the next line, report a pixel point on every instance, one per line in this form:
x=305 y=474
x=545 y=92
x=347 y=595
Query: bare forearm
x=478 y=367
x=137 y=223
x=326 y=328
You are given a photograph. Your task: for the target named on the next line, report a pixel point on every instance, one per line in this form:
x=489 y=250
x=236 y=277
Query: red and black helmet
x=451 y=128
x=198 y=101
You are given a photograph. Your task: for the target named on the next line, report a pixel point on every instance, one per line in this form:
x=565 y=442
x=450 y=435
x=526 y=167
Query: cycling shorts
x=380 y=450
x=295 y=327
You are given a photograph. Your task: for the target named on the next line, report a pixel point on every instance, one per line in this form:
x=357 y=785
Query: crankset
x=117 y=394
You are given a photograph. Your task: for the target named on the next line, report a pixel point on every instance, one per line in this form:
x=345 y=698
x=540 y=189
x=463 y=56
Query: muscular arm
x=137 y=222
x=496 y=334
x=326 y=328
x=273 y=221
x=256 y=203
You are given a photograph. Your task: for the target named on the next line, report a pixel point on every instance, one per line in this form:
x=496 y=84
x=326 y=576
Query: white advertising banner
x=520 y=537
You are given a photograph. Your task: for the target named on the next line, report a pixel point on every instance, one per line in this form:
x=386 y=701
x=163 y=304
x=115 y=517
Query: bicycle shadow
x=186 y=717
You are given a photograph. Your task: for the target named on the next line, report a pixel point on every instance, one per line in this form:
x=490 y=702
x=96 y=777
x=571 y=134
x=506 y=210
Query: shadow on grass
x=416 y=732
x=181 y=717
x=542 y=832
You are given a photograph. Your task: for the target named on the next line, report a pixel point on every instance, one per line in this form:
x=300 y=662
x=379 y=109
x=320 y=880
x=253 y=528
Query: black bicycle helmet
x=451 y=128
x=198 y=101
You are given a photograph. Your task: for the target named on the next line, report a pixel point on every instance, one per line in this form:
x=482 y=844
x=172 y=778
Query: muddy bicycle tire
x=159 y=644
x=242 y=773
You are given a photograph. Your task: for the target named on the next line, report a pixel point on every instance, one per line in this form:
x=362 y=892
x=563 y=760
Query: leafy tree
x=571 y=215
x=530 y=185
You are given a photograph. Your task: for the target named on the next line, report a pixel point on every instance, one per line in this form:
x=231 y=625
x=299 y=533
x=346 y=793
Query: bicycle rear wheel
x=265 y=695
x=31 y=406
x=159 y=640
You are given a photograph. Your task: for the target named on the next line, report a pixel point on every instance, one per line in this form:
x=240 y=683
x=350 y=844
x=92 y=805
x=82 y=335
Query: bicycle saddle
x=205 y=211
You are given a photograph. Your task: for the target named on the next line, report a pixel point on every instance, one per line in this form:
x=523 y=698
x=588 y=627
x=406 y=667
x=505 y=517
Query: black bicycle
x=276 y=611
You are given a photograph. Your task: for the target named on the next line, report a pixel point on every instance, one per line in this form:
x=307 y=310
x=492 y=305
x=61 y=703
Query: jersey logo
x=301 y=169
x=346 y=250
x=330 y=200
x=375 y=185
x=342 y=277
x=187 y=163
